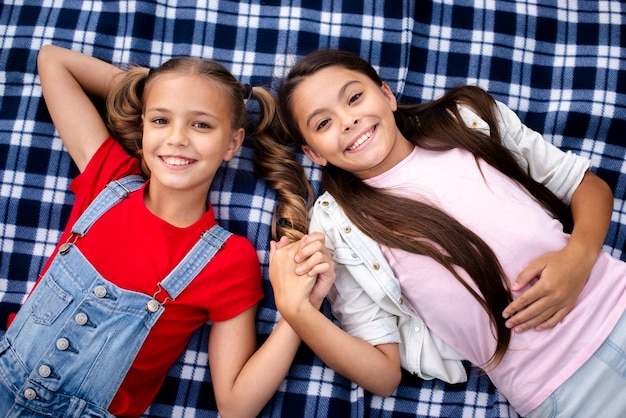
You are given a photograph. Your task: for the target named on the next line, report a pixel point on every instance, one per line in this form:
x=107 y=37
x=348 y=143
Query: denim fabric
x=598 y=388
x=72 y=343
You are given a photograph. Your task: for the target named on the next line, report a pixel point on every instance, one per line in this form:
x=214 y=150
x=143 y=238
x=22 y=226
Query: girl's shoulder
x=110 y=162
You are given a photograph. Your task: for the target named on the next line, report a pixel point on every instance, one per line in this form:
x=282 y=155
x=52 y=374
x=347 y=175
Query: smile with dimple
x=361 y=140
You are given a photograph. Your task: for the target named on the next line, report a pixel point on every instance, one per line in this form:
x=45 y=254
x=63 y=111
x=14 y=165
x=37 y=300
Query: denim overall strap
x=72 y=343
x=112 y=194
x=208 y=245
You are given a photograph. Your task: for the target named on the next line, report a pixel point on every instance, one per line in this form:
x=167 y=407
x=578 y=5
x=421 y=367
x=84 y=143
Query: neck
x=180 y=209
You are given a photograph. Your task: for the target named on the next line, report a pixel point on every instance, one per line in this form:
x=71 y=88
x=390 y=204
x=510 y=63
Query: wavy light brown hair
x=399 y=222
x=125 y=102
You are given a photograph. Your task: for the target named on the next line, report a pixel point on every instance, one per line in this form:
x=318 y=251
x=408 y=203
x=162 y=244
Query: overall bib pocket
x=48 y=301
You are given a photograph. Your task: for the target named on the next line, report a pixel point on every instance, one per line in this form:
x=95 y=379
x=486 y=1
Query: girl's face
x=347 y=120
x=186 y=132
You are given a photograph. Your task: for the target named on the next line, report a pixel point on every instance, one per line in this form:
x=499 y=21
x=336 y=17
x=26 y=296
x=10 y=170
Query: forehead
x=325 y=87
x=329 y=78
x=191 y=91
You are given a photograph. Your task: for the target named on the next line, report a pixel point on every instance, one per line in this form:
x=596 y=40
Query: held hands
x=561 y=275
x=301 y=272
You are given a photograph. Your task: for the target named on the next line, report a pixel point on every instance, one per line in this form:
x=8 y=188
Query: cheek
x=148 y=141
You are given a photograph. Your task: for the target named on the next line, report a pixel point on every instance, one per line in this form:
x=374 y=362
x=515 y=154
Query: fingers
x=309 y=244
x=531 y=316
x=318 y=262
x=528 y=274
x=282 y=242
x=310 y=255
x=542 y=306
x=530 y=296
x=538 y=317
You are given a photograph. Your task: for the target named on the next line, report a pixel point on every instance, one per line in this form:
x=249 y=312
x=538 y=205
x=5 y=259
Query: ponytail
x=124 y=105
x=275 y=162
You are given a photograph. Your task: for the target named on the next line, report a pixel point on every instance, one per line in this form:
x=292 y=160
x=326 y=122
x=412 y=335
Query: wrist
x=583 y=250
x=295 y=311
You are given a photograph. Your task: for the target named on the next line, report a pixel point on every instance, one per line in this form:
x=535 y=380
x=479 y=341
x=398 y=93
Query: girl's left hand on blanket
x=561 y=277
x=301 y=270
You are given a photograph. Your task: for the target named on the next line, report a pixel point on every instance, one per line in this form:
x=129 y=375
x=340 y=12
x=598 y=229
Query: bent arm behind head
x=68 y=79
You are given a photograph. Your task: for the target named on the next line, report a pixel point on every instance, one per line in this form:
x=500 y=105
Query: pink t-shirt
x=518 y=230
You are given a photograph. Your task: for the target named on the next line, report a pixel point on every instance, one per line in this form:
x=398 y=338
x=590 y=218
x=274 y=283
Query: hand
x=315 y=259
x=300 y=272
x=561 y=276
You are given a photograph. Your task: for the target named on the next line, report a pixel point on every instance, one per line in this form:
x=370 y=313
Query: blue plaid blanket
x=560 y=65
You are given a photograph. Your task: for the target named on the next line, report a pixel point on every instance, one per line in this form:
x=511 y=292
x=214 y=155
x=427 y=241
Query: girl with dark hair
x=449 y=226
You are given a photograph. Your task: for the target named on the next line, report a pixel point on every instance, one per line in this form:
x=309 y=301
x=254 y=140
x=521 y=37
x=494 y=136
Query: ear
x=236 y=139
x=314 y=155
x=391 y=98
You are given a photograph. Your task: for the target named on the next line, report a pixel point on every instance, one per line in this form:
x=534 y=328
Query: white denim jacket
x=366 y=298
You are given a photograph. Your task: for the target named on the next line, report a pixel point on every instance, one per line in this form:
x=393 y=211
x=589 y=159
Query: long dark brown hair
x=398 y=222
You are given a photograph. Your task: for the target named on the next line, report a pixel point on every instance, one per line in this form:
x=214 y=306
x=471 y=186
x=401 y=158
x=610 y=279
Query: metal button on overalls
x=71 y=297
x=30 y=394
x=63 y=344
x=100 y=291
x=45 y=370
x=81 y=318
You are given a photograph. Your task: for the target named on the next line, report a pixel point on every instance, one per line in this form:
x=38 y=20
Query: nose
x=177 y=137
x=350 y=121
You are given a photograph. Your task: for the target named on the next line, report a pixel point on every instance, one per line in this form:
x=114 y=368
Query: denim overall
x=74 y=340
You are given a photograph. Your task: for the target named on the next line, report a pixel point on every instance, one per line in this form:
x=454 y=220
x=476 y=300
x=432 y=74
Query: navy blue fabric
x=560 y=66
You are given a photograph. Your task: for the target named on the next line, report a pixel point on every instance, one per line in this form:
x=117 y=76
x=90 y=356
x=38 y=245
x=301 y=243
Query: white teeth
x=360 y=141
x=176 y=161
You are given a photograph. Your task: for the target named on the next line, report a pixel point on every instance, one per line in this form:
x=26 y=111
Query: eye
x=322 y=124
x=160 y=121
x=202 y=125
x=354 y=98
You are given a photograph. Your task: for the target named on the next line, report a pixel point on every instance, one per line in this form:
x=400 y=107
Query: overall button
x=152 y=305
x=100 y=291
x=81 y=318
x=45 y=370
x=30 y=394
x=63 y=344
x=65 y=248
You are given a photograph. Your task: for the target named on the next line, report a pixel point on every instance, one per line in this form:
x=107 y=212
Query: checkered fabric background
x=559 y=64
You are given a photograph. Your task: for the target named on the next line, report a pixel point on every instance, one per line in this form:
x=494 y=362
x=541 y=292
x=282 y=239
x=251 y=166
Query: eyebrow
x=193 y=112
x=342 y=91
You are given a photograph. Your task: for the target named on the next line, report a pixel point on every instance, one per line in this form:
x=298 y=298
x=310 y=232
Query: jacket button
x=81 y=318
x=63 y=344
x=401 y=301
x=325 y=203
x=30 y=394
x=100 y=291
x=45 y=370
x=376 y=266
x=347 y=229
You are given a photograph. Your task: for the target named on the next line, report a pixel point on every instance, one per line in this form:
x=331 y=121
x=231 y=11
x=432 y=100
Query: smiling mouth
x=176 y=161
x=361 y=140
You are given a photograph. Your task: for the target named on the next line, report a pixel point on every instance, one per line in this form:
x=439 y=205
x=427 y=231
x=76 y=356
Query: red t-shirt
x=135 y=249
